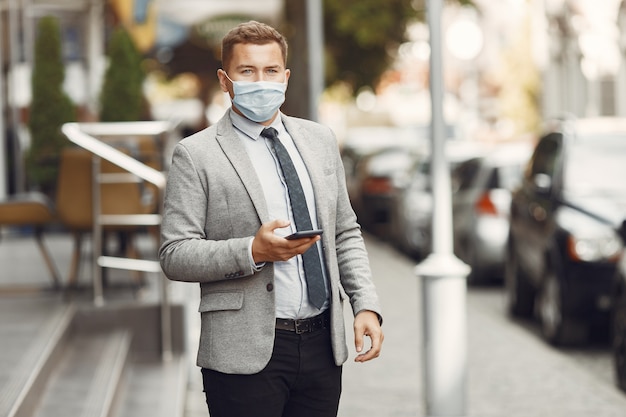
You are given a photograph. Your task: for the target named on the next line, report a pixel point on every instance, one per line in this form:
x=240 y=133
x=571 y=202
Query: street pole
x=443 y=276
x=3 y=142
x=315 y=36
x=14 y=56
x=95 y=54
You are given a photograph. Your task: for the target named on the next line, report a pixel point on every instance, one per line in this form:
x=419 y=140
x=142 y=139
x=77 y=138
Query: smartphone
x=304 y=233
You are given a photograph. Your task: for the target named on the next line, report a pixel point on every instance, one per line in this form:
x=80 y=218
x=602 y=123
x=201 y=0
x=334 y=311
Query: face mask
x=258 y=100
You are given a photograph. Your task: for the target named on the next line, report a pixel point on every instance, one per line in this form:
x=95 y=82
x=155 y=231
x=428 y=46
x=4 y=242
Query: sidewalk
x=510 y=372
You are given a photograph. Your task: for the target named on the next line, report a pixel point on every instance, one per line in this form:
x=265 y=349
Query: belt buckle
x=302 y=326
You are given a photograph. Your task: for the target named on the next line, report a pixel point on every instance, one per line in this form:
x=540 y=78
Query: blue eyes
x=249 y=72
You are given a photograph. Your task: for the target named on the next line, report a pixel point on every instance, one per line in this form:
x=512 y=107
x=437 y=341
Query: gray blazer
x=214 y=204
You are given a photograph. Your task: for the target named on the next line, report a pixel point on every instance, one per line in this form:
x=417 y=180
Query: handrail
x=83 y=134
x=75 y=133
x=126 y=128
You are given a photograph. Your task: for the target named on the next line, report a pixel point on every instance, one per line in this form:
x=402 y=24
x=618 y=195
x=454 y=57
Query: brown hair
x=251 y=32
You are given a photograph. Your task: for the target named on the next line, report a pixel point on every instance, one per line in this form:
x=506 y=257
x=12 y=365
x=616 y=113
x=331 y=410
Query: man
x=272 y=340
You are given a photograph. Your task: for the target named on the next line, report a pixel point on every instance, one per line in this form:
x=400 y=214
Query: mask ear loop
x=226 y=74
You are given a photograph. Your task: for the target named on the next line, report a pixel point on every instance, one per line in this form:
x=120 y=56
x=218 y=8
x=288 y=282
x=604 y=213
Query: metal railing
x=90 y=137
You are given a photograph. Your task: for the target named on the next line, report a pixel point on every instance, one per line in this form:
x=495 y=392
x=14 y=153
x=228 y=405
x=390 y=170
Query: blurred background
x=535 y=142
x=508 y=64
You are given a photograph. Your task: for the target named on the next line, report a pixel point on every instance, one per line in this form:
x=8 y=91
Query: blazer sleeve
x=185 y=253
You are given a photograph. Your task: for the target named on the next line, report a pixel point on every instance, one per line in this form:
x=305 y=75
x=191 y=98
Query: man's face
x=251 y=62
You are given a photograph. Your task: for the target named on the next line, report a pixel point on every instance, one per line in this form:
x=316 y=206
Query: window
x=465 y=174
x=545 y=156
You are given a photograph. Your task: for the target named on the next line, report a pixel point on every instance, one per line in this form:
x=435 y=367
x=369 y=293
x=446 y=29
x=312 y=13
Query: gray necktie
x=310 y=258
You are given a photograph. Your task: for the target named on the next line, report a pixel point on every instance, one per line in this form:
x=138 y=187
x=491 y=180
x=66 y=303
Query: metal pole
x=166 y=309
x=443 y=275
x=28 y=32
x=95 y=54
x=96 y=235
x=14 y=57
x=315 y=35
x=166 y=320
x=3 y=130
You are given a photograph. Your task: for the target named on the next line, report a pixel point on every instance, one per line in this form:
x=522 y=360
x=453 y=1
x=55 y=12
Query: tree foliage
x=359 y=34
x=121 y=98
x=520 y=83
x=361 y=37
x=49 y=109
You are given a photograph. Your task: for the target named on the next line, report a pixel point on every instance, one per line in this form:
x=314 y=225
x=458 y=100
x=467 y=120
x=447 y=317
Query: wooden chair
x=74 y=203
x=35 y=210
x=73 y=208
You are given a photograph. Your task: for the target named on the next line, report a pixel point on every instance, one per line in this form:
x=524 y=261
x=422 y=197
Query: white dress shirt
x=290 y=284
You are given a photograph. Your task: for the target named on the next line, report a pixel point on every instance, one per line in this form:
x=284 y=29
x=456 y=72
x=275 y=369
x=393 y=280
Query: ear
x=287 y=75
x=224 y=82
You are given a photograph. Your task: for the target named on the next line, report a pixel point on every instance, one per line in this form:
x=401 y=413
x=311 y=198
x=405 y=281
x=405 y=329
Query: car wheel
x=556 y=327
x=520 y=295
x=619 y=341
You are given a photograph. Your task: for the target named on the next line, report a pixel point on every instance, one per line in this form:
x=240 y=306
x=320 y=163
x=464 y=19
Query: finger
x=376 y=338
x=371 y=353
x=276 y=224
x=358 y=341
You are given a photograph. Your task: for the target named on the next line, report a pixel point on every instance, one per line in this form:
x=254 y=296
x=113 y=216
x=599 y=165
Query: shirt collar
x=252 y=129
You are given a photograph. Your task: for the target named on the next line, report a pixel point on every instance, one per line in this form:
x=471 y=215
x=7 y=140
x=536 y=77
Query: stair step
x=155 y=388
x=32 y=341
x=87 y=377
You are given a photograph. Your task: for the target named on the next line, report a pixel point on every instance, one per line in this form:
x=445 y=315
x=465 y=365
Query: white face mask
x=258 y=100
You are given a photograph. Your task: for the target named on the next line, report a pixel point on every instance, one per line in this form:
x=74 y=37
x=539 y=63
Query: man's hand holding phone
x=304 y=233
x=268 y=246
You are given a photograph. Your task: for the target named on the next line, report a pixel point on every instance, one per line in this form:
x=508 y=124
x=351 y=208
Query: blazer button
x=270 y=287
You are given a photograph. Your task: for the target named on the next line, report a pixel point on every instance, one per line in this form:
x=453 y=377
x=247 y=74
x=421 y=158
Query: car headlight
x=595 y=248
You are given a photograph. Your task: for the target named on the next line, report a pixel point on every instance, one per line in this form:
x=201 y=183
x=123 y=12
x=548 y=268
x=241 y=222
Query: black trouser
x=301 y=380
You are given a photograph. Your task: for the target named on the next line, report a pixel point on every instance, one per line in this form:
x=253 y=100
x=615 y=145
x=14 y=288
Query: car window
x=465 y=173
x=544 y=158
x=389 y=161
x=596 y=165
x=507 y=177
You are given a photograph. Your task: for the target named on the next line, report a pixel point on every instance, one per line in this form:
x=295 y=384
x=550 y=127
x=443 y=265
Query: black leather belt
x=300 y=326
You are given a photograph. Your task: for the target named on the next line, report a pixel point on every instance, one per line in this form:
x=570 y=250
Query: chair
x=36 y=210
x=73 y=207
x=74 y=202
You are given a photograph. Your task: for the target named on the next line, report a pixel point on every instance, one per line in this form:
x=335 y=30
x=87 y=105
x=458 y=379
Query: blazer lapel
x=238 y=156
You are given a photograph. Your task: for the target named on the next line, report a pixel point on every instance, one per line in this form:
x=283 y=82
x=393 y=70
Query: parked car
x=481 y=199
x=412 y=202
x=563 y=246
x=375 y=178
x=372 y=158
x=618 y=319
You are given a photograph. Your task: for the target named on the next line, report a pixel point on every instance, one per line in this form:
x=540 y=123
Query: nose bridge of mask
x=242 y=87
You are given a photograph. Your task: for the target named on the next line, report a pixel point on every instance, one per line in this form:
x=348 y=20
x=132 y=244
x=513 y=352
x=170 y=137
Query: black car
x=619 y=319
x=563 y=243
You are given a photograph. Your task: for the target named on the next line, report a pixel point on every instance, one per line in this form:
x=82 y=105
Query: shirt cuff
x=256 y=267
